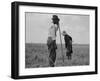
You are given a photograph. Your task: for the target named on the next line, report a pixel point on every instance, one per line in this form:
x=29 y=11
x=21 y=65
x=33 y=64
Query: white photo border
x=39 y=71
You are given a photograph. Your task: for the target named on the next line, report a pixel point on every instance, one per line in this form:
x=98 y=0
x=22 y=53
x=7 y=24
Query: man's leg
x=52 y=57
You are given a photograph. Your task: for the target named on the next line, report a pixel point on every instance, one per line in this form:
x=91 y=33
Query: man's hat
x=55 y=17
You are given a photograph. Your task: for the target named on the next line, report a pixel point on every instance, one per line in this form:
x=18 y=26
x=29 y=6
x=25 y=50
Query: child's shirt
x=68 y=40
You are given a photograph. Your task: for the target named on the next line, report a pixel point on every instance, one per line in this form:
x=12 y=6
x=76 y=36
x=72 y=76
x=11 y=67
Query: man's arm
x=57 y=27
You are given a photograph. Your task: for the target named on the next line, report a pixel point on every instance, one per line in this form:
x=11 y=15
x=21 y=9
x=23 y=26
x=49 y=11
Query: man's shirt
x=52 y=31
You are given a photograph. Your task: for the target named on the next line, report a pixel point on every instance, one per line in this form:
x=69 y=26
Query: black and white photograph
x=54 y=40
x=50 y=40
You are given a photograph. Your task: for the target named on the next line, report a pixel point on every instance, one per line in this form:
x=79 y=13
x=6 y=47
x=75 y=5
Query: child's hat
x=64 y=32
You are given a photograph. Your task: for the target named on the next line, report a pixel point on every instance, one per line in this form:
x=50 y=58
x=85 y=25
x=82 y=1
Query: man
x=68 y=45
x=51 y=42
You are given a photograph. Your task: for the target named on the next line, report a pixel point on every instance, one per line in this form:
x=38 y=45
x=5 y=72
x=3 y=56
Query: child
x=68 y=45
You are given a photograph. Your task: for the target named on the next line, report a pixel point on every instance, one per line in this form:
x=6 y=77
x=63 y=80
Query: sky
x=38 y=24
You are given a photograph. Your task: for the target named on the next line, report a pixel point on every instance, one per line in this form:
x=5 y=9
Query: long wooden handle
x=61 y=44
